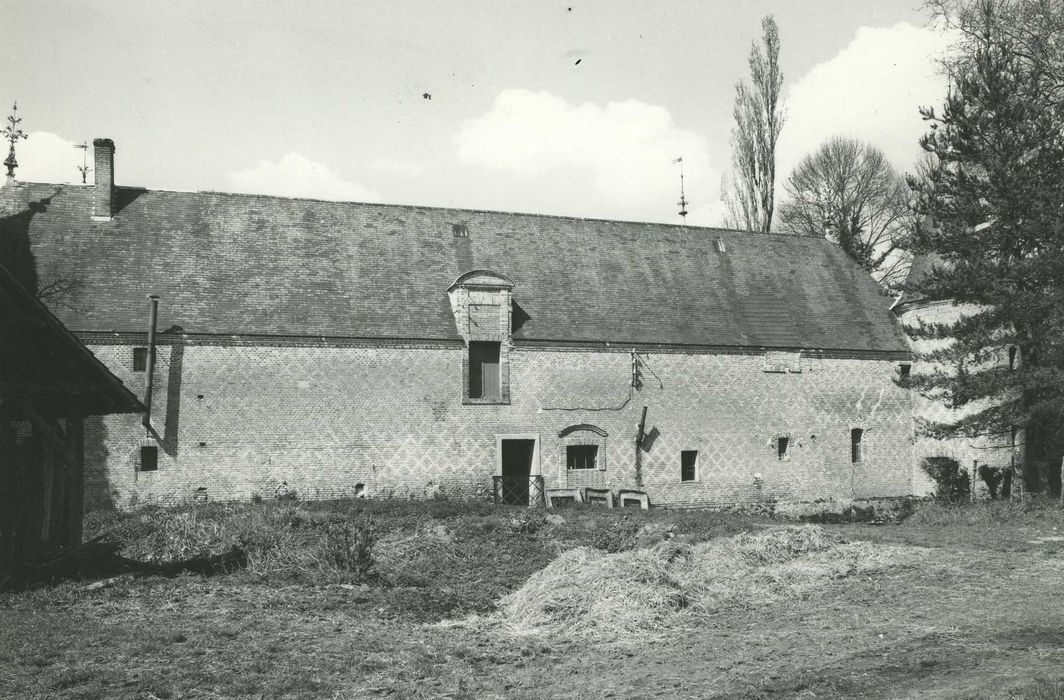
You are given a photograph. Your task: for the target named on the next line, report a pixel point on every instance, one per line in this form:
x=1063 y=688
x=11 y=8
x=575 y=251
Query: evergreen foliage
x=992 y=202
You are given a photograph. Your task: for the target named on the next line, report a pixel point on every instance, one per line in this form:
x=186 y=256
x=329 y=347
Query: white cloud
x=47 y=157
x=622 y=153
x=399 y=167
x=871 y=91
x=296 y=176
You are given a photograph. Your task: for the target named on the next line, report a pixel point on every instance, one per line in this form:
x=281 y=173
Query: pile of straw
x=588 y=593
x=585 y=590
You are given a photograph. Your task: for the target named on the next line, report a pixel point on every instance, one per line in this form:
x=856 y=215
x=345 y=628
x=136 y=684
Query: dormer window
x=481 y=303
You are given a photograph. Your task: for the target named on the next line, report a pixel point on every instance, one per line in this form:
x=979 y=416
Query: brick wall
x=238 y=420
x=968 y=451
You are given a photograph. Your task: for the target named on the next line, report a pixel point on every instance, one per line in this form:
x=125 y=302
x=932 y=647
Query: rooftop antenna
x=12 y=133
x=683 y=200
x=84 y=167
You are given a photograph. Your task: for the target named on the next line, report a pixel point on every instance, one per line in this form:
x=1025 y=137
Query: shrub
x=349 y=547
x=995 y=477
x=952 y=483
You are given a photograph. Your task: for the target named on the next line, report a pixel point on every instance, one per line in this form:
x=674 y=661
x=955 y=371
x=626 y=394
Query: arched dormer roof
x=482 y=278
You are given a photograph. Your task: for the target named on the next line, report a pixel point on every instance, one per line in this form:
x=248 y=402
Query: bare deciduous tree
x=848 y=192
x=758 y=121
x=1032 y=30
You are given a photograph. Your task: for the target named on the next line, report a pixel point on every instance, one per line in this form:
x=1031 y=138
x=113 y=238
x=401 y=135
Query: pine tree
x=993 y=208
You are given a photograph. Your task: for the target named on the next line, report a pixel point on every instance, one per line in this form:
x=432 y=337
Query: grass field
x=456 y=600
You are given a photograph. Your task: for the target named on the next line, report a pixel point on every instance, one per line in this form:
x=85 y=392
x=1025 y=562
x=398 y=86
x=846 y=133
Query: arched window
x=583 y=447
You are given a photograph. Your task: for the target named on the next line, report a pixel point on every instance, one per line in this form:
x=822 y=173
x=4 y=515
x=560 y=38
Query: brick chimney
x=103 y=198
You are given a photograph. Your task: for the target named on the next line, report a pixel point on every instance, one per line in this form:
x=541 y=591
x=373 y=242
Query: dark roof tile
x=227 y=263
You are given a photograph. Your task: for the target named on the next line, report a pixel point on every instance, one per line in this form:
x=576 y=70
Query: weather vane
x=84 y=167
x=683 y=199
x=12 y=133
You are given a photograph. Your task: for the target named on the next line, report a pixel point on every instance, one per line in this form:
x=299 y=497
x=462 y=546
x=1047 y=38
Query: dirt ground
x=975 y=613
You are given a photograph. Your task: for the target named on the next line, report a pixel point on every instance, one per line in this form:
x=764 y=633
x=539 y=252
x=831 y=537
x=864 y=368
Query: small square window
x=581 y=456
x=140 y=359
x=689 y=465
x=783 y=444
x=856 y=447
x=149 y=458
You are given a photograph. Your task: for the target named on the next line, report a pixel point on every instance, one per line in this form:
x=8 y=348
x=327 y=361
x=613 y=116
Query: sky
x=572 y=108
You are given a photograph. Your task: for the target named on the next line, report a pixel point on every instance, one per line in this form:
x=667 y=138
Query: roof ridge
x=716 y=229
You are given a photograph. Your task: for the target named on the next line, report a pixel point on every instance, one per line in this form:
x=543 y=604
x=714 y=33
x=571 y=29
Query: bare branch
x=848 y=192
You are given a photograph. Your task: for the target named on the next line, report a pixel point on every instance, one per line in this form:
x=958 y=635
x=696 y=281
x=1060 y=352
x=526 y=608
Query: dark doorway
x=516 y=469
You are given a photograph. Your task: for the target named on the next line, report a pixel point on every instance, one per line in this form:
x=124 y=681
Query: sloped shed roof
x=42 y=364
x=242 y=264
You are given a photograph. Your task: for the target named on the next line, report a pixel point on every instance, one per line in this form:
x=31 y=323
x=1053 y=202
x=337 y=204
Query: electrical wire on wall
x=638 y=362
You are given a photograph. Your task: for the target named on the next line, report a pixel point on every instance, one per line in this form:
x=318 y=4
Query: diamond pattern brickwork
x=240 y=420
x=968 y=451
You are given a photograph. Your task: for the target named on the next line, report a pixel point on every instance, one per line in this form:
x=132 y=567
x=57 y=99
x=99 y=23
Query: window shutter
x=491 y=373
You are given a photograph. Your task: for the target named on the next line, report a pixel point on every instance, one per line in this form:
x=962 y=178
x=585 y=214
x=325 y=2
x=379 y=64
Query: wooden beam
x=75 y=497
x=48 y=466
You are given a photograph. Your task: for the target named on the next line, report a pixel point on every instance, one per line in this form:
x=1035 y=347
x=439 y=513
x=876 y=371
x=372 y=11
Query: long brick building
x=332 y=348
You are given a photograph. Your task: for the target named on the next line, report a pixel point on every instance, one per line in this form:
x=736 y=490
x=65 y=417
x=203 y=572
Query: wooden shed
x=49 y=383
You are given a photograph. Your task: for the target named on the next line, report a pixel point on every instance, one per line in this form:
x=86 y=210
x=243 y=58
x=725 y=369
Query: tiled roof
x=919 y=272
x=244 y=264
x=43 y=364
